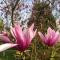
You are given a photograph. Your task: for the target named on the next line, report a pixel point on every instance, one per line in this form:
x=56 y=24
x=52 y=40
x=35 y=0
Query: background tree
x=42 y=18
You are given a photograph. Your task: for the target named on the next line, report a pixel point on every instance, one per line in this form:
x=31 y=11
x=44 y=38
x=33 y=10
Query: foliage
x=1 y=24
x=43 y=18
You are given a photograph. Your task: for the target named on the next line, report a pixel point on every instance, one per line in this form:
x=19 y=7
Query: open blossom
x=50 y=38
x=23 y=38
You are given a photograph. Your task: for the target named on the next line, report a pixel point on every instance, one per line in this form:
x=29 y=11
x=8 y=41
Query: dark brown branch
x=15 y=4
x=13 y=8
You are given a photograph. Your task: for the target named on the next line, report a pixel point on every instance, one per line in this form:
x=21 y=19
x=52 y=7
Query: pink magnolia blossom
x=23 y=38
x=4 y=37
x=50 y=38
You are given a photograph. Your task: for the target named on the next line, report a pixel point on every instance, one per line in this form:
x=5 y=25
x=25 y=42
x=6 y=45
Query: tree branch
x=15 y=4
x=13 y=8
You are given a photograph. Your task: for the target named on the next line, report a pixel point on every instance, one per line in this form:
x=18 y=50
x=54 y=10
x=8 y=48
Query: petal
x=49 y=30
x=32 y=32
x=53 y=34
x=32 y=26
x=27 y=40
x=26 y=34
x=19 y=35
x=18 y=27
x=56 y=37
x=4 y=33
x=50 y=33
x=19 y=32
x=6 y=46
x=12 y=30
x=5 y=39
x=41 y=36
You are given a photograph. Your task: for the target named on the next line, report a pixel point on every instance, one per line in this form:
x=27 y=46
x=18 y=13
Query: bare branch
x=13 y=8
x=5 y=2
x=16 y=4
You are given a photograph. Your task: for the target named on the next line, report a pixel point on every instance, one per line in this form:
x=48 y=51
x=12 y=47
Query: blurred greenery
x=42 y=18
x=7 y=55
x=1 y=24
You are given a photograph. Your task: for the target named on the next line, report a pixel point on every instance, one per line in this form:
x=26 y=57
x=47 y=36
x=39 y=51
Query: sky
x=56 y=9
x=25 y=13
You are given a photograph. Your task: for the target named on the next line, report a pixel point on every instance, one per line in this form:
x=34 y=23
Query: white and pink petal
x=6 y=46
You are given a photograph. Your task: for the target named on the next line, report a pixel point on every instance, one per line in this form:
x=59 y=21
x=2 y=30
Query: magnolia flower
x=4 y=37
x=50 y=38
x=23 y=38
